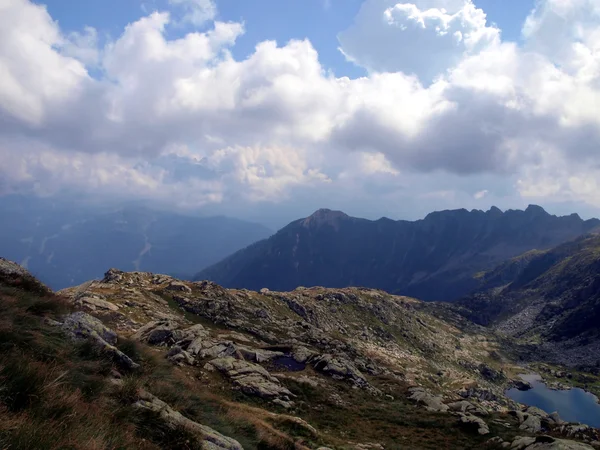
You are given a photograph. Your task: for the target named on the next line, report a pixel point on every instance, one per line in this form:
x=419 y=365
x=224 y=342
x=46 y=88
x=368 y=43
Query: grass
x=56 y=394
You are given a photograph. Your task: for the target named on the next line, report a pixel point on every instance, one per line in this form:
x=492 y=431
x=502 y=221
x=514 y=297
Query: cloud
x=420 y=37
x=481 y=194
x=182 y=122
x=197 y=12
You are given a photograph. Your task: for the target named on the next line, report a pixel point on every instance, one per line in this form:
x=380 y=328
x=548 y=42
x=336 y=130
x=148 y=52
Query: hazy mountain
x=436 y=258
x=64 y=245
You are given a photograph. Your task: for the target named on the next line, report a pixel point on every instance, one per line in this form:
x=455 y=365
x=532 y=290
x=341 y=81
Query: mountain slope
x=551 y=296
x=139 y=360
x=432 y=259
x=65 y=246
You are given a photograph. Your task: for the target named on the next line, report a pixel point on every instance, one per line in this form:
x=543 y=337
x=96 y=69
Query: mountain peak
x=536 y=209
x=324 y=216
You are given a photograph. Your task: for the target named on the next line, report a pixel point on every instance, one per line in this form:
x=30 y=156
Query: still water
x=575 y=405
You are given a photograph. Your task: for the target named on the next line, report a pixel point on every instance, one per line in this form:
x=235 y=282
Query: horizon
x=257 y=111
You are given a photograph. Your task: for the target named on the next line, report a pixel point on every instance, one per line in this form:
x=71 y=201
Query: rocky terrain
x=549 y=299
x=437 y=258
x=164 y=363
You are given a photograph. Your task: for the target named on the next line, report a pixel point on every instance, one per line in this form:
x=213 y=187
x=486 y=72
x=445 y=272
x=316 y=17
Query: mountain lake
x=574 y=405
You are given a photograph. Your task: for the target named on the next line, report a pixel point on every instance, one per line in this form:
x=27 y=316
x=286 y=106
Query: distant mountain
x=65 y=246
x=436 y=258
x=552 y=296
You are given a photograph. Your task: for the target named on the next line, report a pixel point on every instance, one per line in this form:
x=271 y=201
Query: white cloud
x=481 y=194
x=422 y=37
x=181 y=121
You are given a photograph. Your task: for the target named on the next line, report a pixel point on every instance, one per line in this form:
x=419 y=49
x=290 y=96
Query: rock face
x=554 y=294
x=212 y=439
x=430 y=259
x=81 y=325
x=251 y=378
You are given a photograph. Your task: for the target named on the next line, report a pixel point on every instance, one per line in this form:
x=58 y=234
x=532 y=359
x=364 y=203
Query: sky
x=268 y=110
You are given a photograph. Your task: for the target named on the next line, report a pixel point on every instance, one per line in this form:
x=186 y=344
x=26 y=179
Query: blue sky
x=375 y=107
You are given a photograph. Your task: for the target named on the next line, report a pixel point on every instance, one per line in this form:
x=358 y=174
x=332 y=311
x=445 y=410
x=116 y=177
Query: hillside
x=146 y=361
x=65 y=246
x=436 y=258
x=551 y=296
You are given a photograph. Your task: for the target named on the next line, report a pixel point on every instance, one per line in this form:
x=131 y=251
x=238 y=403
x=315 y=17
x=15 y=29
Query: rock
x=555 y=418
x=467 y=407
x=258 y=355
x=490 y=374
x=178 y=356
x=340 y=367
x=546 y=443
x=470 y=422
x=522 y=385
x=431 y=402
x=113 y=276
x=520 y=443
x=264 y=291
x=213 y=440
x=98 y=303
x=532 y=424
x=302 y=354
x=251 y=378
x=80 y=325
x=159 y=332
x=283 y=403
x=178 y=286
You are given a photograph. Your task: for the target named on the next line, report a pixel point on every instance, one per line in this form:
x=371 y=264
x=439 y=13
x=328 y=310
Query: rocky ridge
x=341 y=346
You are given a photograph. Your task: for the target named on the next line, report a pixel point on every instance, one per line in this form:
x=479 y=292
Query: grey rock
x=302 y=354
x=99 y=303
x=339 y=366
x=547 y=443
x=179 y=287
x=532 y=423
x=471 y=422
x=80 y=325
x=251 y=378
x=430 y=401
x=213 y=440
x=467 y=407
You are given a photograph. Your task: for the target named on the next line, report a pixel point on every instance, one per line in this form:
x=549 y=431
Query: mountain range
x=64 y=245
x=436 y=258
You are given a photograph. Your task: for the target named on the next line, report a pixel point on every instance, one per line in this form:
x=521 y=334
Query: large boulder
x=339 y=367
x=213 y=440
x=473 y=423
x=465 y=406
x=430 y=401
x=82 y=326
x=251 y=378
